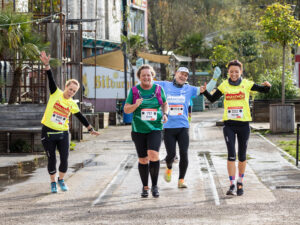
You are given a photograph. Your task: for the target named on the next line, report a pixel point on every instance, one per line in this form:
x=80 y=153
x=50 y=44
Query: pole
x=124 y=2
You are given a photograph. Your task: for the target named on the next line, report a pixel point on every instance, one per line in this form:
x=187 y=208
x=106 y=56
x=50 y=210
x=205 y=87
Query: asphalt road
x=105 y=185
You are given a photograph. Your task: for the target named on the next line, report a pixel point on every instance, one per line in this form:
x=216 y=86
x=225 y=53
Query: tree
x=134 y=43
x=192 y=45
x=280 y=26
x=18 y=42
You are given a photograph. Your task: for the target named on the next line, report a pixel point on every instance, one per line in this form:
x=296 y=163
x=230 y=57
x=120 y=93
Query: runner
x=179 y=95
x=55 y=129
x=148 y=104
x=236 y=118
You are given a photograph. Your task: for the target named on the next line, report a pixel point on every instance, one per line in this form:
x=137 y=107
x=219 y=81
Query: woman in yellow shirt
x=55 y=129
x=236 y=118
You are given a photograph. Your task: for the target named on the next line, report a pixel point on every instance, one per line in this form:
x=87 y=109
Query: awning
x=154 y=57
x=115 y=60
x=112 y=60
x=181 y=58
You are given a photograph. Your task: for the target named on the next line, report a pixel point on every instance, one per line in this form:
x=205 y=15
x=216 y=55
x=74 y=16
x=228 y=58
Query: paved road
x=105 y=185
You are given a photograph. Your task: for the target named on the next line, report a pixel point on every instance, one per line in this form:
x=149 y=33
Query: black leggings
x=52 y=139
x=242 y=133
x=180 y=135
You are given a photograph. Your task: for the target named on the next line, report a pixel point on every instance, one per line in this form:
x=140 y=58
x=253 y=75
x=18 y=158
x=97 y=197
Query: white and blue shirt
x=178 y=99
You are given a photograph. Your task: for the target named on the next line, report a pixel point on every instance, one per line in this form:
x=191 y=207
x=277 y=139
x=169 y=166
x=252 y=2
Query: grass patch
x=263 y=132
x=289 y=147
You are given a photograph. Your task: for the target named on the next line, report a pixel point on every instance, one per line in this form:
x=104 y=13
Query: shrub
x=19 y=146
x=274 y=77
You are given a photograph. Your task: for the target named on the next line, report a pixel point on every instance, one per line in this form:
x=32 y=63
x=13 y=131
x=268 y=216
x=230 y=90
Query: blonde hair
x=145 y=66
x=73 y=81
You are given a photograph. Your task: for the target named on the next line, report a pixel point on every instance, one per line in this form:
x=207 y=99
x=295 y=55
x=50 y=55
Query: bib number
x=235 y=112
x=176 y=110
x=58 y=118
x=149 y=114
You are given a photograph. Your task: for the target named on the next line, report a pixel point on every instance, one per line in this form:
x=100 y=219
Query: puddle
x=86 y=163
x=20 y=172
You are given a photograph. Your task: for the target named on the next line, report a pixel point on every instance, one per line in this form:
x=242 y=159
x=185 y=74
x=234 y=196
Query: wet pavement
x=105 y=185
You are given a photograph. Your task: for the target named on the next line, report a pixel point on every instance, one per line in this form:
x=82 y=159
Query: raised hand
x=203 y=88
x=44 y=58
x=266 y=83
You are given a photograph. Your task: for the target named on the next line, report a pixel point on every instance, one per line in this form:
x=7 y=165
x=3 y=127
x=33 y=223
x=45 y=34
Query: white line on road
x=212 y=182
x=120 y=172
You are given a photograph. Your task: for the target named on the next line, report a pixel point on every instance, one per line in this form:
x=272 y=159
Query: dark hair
x=145 y=66
x=235 y=63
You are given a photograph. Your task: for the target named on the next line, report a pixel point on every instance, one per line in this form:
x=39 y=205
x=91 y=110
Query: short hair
x=235 y=63
x=145 y=66
x=72 y=81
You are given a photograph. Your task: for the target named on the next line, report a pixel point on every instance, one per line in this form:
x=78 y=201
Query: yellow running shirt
x=58 y=111
x=236 y=100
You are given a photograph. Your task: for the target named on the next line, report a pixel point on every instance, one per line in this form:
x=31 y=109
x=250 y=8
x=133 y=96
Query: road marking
x=121 y=171
x=207 y=173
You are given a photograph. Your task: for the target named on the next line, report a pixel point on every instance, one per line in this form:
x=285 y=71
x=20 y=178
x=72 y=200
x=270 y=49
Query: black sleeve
x=214 y=97
x=260 y=88
x=82 y=119
x=52 y=84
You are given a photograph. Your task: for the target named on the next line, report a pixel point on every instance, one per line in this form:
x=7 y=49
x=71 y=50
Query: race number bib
x=58 y=118
x=149 y=114
x=176 y=110
x=235 y=112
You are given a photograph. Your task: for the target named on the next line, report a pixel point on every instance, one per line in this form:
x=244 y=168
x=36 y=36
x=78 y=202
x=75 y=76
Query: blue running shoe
x=53 y=187
x=62 y=185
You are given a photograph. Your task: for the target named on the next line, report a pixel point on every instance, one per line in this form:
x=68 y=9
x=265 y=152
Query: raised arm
x=45 y=59
x=211 y=98
x=264 y=87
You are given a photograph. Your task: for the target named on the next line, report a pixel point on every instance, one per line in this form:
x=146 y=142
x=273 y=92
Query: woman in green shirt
x=147 y=102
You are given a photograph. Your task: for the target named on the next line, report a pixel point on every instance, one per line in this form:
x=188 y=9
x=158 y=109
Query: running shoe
x=154 y=191
x=62 y=185
x=240 y=190
x=144 y=193
x=181 y=183
x=231 y=190
x=168 y=175
x=53 y=187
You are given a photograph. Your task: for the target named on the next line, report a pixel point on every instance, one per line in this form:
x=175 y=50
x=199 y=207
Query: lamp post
x=124 y=31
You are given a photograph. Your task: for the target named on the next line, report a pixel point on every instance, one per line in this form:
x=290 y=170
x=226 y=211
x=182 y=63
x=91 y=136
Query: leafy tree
x=19 y=43
x=280 y=26
x=134 y=43
x=192 y=45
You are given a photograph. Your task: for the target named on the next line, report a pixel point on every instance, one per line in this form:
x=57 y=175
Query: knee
x=242 y=157
x=231 y=158
x=143 y=160
x=153 y=155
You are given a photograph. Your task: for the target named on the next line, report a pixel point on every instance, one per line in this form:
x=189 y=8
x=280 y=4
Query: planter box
x=261 y=109
x=282 y=118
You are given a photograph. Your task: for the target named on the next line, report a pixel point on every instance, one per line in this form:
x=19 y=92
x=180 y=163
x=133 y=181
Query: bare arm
x=130 y=108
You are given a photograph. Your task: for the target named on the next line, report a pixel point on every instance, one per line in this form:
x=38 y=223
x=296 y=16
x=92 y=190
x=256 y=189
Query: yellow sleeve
x=75 y=108
x=221 y=87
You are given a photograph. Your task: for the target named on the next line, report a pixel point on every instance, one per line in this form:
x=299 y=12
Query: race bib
x=58 y=118
x=149 y=114
x=235 y=112
x=176 y=110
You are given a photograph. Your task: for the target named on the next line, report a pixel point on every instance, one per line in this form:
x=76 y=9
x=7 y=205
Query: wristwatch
x=91 y=129
x=166 y=114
